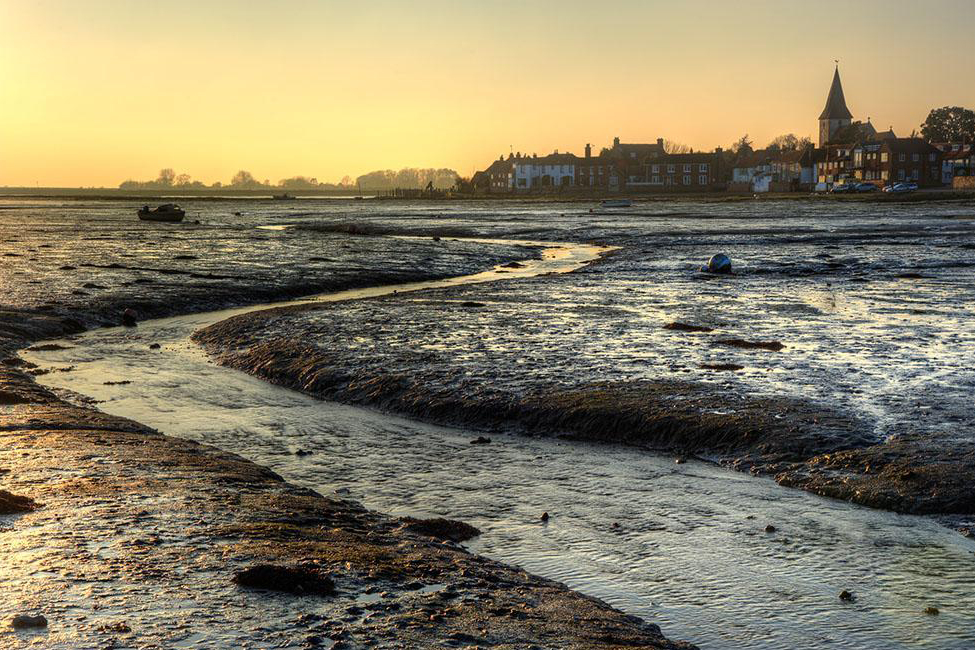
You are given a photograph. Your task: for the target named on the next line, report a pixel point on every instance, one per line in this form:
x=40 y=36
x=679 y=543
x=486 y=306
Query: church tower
x=836 y=115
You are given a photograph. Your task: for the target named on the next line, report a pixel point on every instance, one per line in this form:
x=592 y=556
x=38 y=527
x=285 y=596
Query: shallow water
x=689 y=551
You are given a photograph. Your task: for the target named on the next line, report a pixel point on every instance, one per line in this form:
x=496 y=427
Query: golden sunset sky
x=94 y=92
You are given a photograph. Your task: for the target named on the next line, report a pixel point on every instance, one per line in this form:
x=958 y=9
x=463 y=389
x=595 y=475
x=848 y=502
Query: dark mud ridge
x=801 y=443
x=189 y=519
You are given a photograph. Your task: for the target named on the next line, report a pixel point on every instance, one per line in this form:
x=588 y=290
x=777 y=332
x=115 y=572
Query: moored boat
x=168 y=212
x=283 y=197
x=616 y=203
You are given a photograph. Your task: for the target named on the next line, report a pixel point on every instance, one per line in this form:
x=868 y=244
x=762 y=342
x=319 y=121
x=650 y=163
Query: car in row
x=898 y=188
x=844 y=188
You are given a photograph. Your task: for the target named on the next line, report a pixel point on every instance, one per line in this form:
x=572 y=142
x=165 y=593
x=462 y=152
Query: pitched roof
x=910 y=145
x=551 y=159
x=836 y=103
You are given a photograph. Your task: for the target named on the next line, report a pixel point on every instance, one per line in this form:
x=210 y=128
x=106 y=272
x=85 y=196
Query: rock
x=154 y=346
x=291 y=579
x=13 y=503
x=684 y=327
x=719 y=263
x=481 y=440
x=773 y=346
x=303 y=452
x=24 y=621
x=129 y=317
x=513 y=265
x=722 y=366
x=770 y=528
x=931 y=611
x=544 y=516
x=436 y=239
x=120 y=627
x=847 y=596
x=472 y=304
x=442 y=529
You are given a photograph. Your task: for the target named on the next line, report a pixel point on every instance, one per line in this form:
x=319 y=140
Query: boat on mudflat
x=168 y=212
x=616 y=203
x=283 y=197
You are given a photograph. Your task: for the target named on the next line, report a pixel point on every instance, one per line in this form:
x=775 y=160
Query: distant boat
x=168 y=212
x=617 y=203
x=283 y=197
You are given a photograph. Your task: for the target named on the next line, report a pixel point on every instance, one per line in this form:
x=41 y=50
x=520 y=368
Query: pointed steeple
x=836 y=104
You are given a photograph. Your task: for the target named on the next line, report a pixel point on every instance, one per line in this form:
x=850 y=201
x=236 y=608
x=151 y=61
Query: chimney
x=588 y=151
x=660 y=142
x=616 y=143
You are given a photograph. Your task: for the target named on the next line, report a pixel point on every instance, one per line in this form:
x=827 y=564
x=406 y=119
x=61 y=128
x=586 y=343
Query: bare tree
x=676 y=147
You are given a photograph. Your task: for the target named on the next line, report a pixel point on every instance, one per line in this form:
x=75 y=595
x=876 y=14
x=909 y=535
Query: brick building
x=897 y=159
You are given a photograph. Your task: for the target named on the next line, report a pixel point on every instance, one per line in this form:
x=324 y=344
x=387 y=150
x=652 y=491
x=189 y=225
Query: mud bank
x=139 y=536
x=584 y=355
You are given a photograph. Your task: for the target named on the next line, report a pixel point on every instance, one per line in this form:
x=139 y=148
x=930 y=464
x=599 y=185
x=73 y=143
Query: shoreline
x=798 y=443
x=419 y=590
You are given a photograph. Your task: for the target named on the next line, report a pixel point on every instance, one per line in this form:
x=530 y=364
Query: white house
x=554 y=170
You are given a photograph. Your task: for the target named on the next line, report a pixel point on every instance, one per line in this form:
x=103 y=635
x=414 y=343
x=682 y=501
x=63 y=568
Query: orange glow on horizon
x=94 y=93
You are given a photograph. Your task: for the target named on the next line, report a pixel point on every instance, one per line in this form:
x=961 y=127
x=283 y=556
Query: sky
x=95 y=92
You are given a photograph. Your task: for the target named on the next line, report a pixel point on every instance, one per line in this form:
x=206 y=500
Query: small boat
x=617 y=203
x=168 y=212
x=283 y=197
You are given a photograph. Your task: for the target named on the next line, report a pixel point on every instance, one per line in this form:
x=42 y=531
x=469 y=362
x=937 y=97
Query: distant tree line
x=408 y=178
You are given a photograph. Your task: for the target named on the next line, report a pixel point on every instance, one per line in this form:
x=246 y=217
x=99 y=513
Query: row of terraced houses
x=874 y=157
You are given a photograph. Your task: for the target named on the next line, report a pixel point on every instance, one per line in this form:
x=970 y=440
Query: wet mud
x=793 y=367
x=118 y=536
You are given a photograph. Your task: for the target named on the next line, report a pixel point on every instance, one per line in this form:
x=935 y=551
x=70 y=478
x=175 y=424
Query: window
x=656 y=179
x=902 y=157
x=687 y=179
x=703 y=168
x=670 y=169
x=702 y=180
x=883 y=157
x=914 y=174
x=687 y=169
x=656 y=169
x=600 y=169
x=632 y=154
x=900 y=173
x=917 y=157
x=933 y=157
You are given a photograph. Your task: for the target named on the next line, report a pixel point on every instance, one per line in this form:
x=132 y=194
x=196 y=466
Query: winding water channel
x=681 y=545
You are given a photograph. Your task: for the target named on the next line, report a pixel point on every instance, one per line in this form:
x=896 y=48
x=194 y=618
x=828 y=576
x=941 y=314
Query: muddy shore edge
x=160 y=500
x=800 y=443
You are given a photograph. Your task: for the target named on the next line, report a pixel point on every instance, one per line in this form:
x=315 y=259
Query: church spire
x=836 y=103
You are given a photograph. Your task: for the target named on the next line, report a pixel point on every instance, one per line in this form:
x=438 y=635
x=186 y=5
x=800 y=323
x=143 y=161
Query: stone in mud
x=719 y=263
x=129 y=317
x=770 y=528
x=847 y=596
x=931 y=611
x=513 y=265
x=685 y=327
x=480 y=440
x=773 y=346
x=8 y=398
x=25 y=621
x=442 y=529
x=544 y=516
x=301 y=580
x=154 y=346
x=471 y=304
x=732 y=367
x=13 y=503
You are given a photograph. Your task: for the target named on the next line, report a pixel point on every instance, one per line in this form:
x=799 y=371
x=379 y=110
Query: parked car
x=897 y=188
x=866 y=187
x=911 y=186
x=839 y=188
